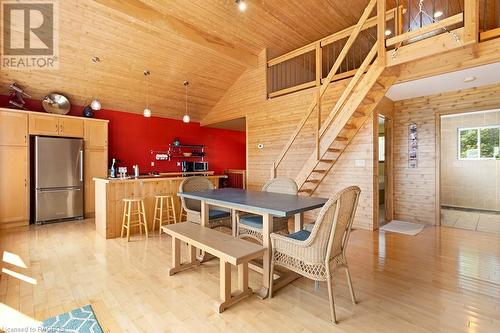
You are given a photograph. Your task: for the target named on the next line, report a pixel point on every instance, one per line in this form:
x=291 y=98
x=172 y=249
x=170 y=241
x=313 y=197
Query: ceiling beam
x=152 y=18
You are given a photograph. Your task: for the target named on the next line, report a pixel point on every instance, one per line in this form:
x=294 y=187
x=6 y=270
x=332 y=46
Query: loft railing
x=489 y=23
x=307 y=66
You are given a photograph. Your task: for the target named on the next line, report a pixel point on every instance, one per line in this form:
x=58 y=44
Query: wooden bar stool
x=169 y=209
x=140 y=212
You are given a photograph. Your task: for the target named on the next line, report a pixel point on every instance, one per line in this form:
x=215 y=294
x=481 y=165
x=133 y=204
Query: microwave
x=194 y=166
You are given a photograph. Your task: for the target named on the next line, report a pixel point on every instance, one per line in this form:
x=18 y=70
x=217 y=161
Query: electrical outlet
x=152 y=163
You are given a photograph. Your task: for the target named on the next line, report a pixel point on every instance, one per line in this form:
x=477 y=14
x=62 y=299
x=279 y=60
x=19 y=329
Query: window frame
x=459 y=146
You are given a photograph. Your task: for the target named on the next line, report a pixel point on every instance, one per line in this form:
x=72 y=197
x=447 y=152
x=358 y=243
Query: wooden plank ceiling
x=208 y=42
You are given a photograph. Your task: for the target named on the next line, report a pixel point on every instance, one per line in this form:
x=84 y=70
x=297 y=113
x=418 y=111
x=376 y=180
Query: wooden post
x=318 y=125
x=471 y=21
x=319 y=64
x=381 y=29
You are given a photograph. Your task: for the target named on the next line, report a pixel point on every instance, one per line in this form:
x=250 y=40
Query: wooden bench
x=229 y=250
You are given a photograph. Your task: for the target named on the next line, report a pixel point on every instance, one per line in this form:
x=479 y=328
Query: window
x=480 y=143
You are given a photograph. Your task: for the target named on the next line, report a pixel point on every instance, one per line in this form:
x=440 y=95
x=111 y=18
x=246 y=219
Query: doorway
x=470 y=171
x=385 y=208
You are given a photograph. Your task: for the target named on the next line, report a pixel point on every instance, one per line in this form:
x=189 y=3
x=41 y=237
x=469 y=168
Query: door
x=71 y=127
x=13 y=184
x=43 y=124
x=58 y=162
x=13 y=128
x=96 y=165
x=96 y=134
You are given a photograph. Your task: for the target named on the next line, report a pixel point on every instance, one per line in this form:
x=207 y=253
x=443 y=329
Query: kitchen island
x=110 y=192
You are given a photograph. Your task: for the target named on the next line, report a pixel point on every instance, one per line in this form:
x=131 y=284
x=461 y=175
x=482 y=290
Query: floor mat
x=406 y=228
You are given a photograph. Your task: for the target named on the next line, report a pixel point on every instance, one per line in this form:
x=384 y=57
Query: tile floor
x=471 y=220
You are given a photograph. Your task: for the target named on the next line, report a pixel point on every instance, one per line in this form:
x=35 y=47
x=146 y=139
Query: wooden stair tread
x=341 y=138
x=350 y=127
x=334 y=150
x=314 y=181
x=305 y=190
x=319 y=171
x=326 y=160
x=358 y=114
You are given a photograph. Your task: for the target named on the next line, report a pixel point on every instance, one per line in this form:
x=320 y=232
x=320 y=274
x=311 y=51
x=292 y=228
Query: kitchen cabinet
x=96 y=134
x=71 y=127
x=13 y=128
x=96 y=165
x=45 y=124
x=14 y=194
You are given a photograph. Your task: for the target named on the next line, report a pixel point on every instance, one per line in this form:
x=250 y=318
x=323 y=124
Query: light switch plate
x=359 y=163
x=152 y=163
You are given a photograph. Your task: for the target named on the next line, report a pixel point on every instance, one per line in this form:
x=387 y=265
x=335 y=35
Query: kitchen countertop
x=161 y=177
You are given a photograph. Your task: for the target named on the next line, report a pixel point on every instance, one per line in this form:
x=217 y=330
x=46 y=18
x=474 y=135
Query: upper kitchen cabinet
x=71 y=127
x=44 y=124
x=96 y=134
x=13 y=128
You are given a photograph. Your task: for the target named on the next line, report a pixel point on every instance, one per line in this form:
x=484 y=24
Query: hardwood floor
x=443 y=279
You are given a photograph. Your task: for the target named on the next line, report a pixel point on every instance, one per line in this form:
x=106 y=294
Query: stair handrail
x=333 y=71
x=348 y=90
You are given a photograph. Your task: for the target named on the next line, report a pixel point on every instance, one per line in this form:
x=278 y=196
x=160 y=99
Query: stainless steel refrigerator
x=58 y=179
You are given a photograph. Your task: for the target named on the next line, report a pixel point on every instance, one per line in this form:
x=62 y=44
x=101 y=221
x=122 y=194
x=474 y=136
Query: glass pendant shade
x=95 y=105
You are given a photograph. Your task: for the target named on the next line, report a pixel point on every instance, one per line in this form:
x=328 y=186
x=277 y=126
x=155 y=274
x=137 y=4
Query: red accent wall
x=132 y=137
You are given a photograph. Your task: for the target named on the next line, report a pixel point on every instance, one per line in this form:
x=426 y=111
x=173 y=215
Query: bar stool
x=159 y=210
x=140 y=212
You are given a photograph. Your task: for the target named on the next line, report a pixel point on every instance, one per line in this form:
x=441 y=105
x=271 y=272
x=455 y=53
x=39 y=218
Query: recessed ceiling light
x=470 y=78
x=438 y=14
x=388 y=32
x=242 y=5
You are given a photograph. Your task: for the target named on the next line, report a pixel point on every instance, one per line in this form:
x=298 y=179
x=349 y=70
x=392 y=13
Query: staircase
x=345 y=125
x=355 y=105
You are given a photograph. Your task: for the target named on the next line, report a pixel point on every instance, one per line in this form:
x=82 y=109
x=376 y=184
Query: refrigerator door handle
x=59 y=190
x=81 y=165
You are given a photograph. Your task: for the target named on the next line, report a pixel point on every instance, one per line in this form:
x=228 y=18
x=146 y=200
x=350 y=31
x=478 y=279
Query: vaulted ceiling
x=208 y=42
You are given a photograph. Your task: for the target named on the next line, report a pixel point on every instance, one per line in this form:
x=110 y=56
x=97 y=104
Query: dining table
x=266 y=204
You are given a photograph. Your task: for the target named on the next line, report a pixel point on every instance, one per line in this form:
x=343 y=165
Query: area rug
x=406 y=228
x=81 y=320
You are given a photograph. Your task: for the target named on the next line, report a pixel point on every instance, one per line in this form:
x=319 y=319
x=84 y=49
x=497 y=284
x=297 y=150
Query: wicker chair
x=315 y=254
x=250 y=225
x=192 y=207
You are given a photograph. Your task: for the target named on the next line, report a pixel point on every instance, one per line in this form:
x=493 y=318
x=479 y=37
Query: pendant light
x=95 y=104
x=147 y=110
x=186 y=117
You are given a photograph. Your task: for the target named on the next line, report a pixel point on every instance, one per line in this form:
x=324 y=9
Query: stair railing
x=381 y=20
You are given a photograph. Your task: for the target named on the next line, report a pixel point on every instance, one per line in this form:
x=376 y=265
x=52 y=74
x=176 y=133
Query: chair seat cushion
x=301 y=235
x=253 y=221
x=217 y=214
